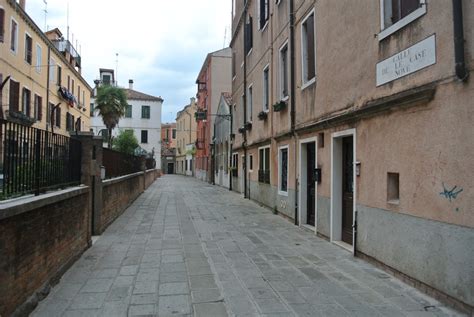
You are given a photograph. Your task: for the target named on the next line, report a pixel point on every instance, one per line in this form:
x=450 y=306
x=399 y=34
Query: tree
x=125 y=142
x=111 y=103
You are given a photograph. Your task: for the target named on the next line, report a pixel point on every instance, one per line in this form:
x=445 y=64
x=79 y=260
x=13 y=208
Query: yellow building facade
x=40 y=75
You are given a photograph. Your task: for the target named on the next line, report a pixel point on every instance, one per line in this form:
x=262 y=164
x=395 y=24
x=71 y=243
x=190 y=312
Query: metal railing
x=118 y=164
x=35 y=160
x=264 y=176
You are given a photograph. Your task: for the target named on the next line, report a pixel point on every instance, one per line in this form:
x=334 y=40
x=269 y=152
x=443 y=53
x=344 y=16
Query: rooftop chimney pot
x=22 y=4
x=130 y=84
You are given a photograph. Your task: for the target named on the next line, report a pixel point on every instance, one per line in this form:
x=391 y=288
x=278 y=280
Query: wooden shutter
x=2 y=25
x=40 y=108
x=28 y=49
x=408 y=6
x=14 y=96
x=58 y=117
x=310 y=46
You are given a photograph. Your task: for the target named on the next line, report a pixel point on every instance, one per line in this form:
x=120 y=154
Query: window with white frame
x=395 y=14
x=38 y=107
x=235 y=164
x=2 y=24
x=13 y=36
x=264 y=165
x=284 y=72
x=308 y=57
x=283 y=170
x=263 y=13
x=266 y=91
x=39 y=58
x=52 y=65
x=28 y=49
x=250 y=163
x=249 y=103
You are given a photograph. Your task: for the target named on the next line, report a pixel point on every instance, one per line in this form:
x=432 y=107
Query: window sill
x=308 y=83
x=402 y=23
x=283 y=193
x=250 y=52
x=286 y=98
x=394 y=202
x=264 y=27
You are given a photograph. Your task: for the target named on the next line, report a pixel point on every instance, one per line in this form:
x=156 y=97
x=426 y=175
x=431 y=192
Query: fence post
x=37 y=161
x=143 y=169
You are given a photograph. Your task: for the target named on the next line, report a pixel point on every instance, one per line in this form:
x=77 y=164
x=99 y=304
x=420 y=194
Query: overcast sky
x=161 y=44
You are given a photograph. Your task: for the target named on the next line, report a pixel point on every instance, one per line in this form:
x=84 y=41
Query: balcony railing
x=65 y=46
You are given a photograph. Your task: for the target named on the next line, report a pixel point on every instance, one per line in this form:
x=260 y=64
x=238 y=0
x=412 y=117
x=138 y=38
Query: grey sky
x=161 y=43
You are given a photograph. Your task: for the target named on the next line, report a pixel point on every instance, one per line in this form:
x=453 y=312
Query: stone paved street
x=188 y=248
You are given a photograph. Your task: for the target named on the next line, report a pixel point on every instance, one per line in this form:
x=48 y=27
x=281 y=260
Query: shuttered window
x=402 y=8
x=26 y=102
x=38 y=108
x=248 y=36
x=2 y=25
x=264 y=13
x=14 y=36
x=57 y=120
x=28 y=49
x=14 y=104
x=309 y=61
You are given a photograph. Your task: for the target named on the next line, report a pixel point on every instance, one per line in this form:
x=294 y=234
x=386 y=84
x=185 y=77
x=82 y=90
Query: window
x=26 y=101
x=14 y=104
x=264 y=165
x=92 y=109
x=68 y=83
x=72 y=86
x=284 y=72
x=39 y=58
x=106 y=79
x=308 y=49
x=78 y=94
x=28 y=49
x=248 y=36
x=398 y=13
x=49 y=109
x=233 y=64
x=265 y=89
x=235 y=164
x=283 y=170
x=233 y=8
x=59 y=75
x=128 y=111
x=263 y=13
x=69 y=122
x=249 y=103
x=145 y=112
x=13 y=36
x=38 y=108
x=144 y=138
x=57 y=120
x=393 y=188
x=173 y=133
x=250 y=163
x=2 y=25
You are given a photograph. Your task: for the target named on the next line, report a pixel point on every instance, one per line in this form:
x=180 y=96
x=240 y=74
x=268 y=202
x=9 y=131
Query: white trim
x=385 y=32
x=280 y=192
x=251 y=165
x=266 y=69
x=336 y=185
x=24 y=57
x=310 y=81
x=14 y=52
x=280 y=75
x=248 y=95
x=302 y=176
x=38 y=67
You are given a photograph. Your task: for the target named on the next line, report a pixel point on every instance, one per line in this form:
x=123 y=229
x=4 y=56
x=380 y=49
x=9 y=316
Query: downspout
x=292 y=99
x=244 y=144
x=231 y=141
x=460 y=66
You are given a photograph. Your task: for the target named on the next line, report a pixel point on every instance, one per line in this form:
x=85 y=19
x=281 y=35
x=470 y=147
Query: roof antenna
x=45 y=15
x=116 y=69
x=67 y=21
x=225 y=36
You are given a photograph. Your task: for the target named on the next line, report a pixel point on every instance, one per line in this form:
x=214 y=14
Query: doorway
x=170 y=169
x=343 y=188
x=307 y=187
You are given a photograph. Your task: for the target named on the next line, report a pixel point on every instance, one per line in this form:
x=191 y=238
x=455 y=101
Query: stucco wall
x=435 y=253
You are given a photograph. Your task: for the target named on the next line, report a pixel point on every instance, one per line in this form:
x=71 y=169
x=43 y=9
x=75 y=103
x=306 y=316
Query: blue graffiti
x=450 y=194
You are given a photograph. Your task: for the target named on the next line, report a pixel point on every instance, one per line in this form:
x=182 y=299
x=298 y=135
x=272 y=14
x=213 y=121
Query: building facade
x=213 y=79
x=142 y=115
x=168 y=148
x=362 y=134
x=40 y=75
x=186 y=139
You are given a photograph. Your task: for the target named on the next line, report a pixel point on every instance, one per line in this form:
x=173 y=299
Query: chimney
x=130 y=84
x=22 y=4
x=193 y=100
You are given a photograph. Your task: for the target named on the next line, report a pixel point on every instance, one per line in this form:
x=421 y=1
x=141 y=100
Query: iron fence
x=36 y=160
x=118 y=164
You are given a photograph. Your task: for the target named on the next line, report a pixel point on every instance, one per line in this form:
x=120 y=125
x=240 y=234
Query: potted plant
x=279 y=106
x=262 y=115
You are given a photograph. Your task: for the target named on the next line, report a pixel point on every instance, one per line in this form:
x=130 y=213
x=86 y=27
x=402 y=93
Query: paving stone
x=173 y=288
x=88 y=301
x=141 y=310
x=202 y=281
x=210 y=309
x=97 y=285
x=81 y=313
x=206 y=295
x=140 y=299
x=119 y=293
x=145 y=287
x=129 y=270
x=168 y=277
x=173 y=305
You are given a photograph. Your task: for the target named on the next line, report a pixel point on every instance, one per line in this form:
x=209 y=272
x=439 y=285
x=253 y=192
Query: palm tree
x=111 y=104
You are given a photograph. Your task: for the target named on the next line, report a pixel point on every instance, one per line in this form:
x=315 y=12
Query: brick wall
x=40 y=238
x=117 y=195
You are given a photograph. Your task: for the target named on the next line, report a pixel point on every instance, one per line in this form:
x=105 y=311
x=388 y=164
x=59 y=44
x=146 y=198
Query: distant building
x=213 y=79
x=168 y=148
x=143 y=116
x=40 y=74
x=223 y=141
x=186 y=139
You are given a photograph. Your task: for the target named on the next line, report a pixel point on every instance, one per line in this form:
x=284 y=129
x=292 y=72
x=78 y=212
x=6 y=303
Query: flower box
x=262 y=115
x=279 y=106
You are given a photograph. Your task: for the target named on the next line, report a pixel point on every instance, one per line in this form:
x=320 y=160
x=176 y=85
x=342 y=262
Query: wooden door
x=347 y=188
x=310 y=185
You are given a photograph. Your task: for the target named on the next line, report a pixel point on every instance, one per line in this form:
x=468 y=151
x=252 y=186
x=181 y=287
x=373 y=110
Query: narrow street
x=188 y=248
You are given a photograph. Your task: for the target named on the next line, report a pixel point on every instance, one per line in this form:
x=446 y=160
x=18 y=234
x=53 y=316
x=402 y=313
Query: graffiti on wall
x=451 y=193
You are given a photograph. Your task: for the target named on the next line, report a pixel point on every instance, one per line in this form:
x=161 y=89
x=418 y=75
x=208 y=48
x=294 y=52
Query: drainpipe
x=244 y=162
x=231 y=141
x=292 y=99
x=460 y=66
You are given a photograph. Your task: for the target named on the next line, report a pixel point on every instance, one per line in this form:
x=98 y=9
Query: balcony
x=65 y=47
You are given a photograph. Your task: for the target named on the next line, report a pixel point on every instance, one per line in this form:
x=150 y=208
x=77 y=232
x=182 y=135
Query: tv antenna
x=45 y=15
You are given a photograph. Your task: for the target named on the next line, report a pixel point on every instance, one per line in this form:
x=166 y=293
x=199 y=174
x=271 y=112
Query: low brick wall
x=40 y=237
x=117 y=194
x=150 y=177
